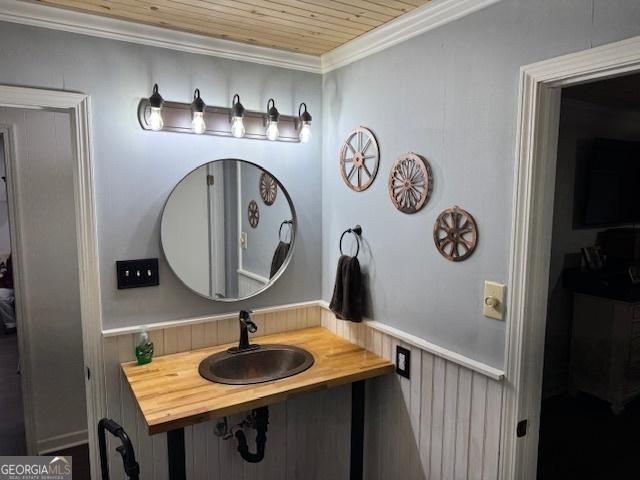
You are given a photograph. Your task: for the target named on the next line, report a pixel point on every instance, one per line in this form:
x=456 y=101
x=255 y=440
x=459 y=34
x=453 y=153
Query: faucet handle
x=245 y=319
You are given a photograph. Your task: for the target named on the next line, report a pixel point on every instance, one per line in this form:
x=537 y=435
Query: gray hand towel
x=338 y=290
x=352 y=297
x=346 y=303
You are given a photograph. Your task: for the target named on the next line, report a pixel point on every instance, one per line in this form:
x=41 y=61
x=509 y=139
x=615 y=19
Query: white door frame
x=537 y=131
x=78 y=107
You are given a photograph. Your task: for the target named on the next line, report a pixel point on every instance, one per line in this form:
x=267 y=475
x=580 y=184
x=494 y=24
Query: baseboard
x=62 y=442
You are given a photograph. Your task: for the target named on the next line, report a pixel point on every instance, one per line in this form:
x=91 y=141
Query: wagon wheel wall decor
x=410 y=183
x=359 y=159
x=268 y=188
x=455 y=234
x=254 y=213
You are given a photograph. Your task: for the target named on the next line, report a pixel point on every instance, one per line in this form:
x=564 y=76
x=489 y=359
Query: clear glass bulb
x=155 y=119
x=272 y=130
x=305 y=133
x=198 y=122
x=237 y=127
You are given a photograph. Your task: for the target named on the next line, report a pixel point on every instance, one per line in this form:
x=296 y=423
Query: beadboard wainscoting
x=308 y=436
x=443 y=423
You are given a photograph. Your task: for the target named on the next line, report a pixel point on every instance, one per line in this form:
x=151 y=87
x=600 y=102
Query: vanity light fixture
x=155 y=103
x=197 y=113
x=195 y=117
x=305 y=123
x=237 y=117
x=272 y=120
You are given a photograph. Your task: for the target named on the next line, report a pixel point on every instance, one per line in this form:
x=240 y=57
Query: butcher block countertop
x=171 y=393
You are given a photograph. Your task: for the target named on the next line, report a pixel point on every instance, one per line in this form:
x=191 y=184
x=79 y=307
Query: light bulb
x=198 y=122
x=305 y=133
x=272 y=130
x=237 y=127
x=155 y=119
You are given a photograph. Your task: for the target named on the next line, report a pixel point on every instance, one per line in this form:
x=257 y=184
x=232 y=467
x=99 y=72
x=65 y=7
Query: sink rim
x=207 y=374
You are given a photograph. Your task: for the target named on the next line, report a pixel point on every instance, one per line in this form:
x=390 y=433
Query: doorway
x=536 y=152
x=12 y=420
x=39 y=290
x=590 y=409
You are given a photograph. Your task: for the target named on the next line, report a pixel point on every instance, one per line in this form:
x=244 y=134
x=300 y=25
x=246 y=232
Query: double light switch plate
x=493 y=300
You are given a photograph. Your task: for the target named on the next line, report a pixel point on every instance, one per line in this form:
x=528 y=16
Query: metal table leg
x=175 y=450
x=357 y=430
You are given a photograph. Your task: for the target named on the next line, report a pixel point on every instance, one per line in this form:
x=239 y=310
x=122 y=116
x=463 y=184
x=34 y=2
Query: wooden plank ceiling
x=305 y=26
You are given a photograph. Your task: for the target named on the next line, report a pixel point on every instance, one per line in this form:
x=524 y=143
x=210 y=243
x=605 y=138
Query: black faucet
x=246 y=326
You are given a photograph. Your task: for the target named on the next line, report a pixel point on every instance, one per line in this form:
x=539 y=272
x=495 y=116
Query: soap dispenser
x=144 y=348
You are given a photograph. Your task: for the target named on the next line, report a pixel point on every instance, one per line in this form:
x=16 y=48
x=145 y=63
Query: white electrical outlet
x=493 y=300
x=244 y=242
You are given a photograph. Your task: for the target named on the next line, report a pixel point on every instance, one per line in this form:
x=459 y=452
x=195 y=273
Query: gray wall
x=450 y=95
x=135 y=169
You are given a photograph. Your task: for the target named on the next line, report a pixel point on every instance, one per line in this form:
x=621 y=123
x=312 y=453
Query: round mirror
x=228 y=230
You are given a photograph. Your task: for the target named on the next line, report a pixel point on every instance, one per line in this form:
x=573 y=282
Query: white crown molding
x=420 y=20
x=432 y=15
x=98 y=26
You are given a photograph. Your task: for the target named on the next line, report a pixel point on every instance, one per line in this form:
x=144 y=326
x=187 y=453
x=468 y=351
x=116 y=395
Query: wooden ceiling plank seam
x=248 y=22
x=346 y=8
x=315 y=9
x=305 y=14
x=410 y=4
x=200 y=26
x=400 y=4
x=283 y=45
x=247 y=7
x=374 y=7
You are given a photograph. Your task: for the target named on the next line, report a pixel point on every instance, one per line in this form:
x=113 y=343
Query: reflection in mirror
x=228 y=229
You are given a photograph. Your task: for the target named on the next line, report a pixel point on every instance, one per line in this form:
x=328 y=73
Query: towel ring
x=357 y=232
x=286 y=222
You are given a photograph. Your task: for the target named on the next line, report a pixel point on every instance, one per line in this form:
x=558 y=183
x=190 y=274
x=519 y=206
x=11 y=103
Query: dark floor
x=12 y=440
x=80 y=461
x=581 y=439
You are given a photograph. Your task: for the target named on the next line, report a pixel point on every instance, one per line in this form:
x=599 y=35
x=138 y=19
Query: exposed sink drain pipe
x=259 y=421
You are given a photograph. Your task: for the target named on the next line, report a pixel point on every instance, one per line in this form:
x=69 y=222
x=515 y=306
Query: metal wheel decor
x=268 y=188
x=359 y=159
x=410 y=183
x=455 y=234
x=254 y=213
